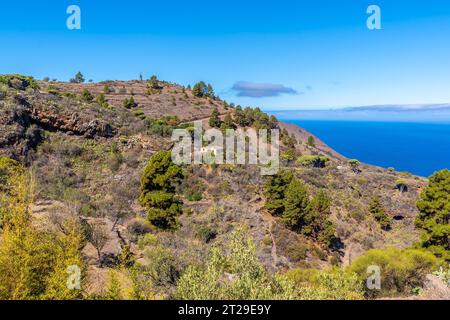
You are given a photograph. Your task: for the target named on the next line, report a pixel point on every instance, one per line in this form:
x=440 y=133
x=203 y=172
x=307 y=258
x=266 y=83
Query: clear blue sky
x=320 y=49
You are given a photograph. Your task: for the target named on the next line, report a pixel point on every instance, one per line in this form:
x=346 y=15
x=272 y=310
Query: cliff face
x=88 y=158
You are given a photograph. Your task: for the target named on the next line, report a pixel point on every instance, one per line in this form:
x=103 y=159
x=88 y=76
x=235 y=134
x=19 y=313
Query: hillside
x=88 y=154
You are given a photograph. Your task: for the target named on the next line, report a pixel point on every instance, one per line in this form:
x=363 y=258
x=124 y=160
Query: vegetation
x=214 y=120
x=401 y=185
x=296 y=205
x=102 y=102
x=313 y=161
x=79 y=78
x=274 y=191
x=317 y=224
x=255 y=118
x=158 y=191
x=87 y=96
x=401 y=270
x=434 y=216
x=354 y=165
x=289 y=197
x=129 y=103
x=329 y=284
x=34 y=263
x=311 y=142
x=250 y=279
x=379 y=213
x=202 y=90
x=18 y=82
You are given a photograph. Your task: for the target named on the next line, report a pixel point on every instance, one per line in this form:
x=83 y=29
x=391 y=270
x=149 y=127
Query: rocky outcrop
x=23 y=119
x=72 y=124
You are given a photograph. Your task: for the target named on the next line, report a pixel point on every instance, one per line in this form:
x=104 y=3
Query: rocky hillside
x=88 y=144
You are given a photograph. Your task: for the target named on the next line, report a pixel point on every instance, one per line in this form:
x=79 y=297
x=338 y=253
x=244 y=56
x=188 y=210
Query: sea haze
x=413 y=141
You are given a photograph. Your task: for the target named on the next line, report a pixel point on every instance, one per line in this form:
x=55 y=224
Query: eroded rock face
x=23 y=121
x=73 y=124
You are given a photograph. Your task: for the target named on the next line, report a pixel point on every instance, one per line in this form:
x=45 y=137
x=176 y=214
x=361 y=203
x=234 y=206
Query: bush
x=33 y=263
x=206 y=233
x=401 y=185
x=313 y=161
x=329 y=284
x=195 y=196
x=311 y=142
x=102 y=102
x=87 y=96
x=19 y=82
x=237 y=275
x=129 y=103
x=354 y=165
x=379 y=213
x=401 y=270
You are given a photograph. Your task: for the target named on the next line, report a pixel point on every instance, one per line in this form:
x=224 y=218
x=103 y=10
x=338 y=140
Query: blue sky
x=305 y=53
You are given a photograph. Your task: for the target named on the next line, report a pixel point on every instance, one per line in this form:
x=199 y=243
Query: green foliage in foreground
x=401 y=270
x=434 y=216
x=239 y=275
x=329 y=284
x=158 y=191
x=34 y=263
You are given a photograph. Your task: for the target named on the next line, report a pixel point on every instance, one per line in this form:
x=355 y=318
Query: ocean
x=419 y=148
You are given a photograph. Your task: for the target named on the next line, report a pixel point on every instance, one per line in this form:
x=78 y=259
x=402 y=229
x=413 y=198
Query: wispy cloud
x=259 y=90
x=402 y=108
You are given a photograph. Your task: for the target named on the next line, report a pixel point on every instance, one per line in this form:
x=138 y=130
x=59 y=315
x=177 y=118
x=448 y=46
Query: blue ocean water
x=419 y=148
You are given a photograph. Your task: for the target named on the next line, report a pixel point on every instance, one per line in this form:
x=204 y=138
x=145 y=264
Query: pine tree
x=434 y=216
x=274 y=192
x=296 y=204
x=317 y=223
x=214 y=120
x=200 y=89
x=158 y=190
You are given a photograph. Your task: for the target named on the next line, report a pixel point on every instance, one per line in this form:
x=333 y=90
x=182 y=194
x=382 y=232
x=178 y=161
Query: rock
x=435 y=289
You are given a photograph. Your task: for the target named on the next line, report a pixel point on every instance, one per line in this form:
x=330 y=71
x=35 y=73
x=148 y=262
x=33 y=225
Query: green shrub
x=354 y=165
x=195 y=196
x=329 y=284
x=102 y=102
x=314 y=161
x=206 y=233
x=233 y=274
x=19 y=82
x=87 y=96
x=311 y=142
x=379 y=213
x=129 y=103
x=401 y=270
